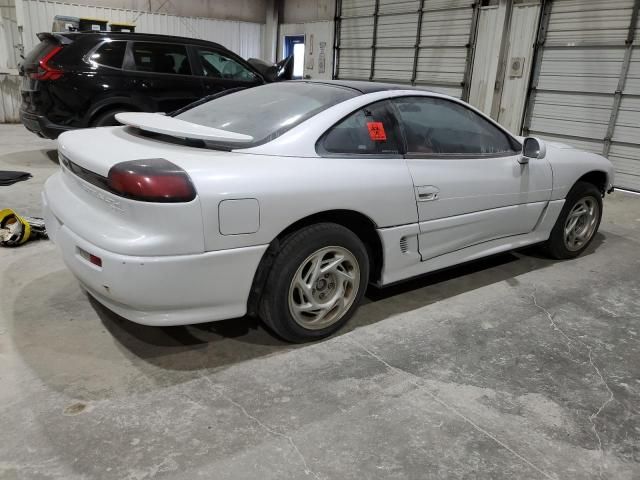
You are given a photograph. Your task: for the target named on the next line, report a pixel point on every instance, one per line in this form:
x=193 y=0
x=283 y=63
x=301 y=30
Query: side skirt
x=402 y=259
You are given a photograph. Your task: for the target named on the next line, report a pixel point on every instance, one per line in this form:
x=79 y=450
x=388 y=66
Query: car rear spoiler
x=56 y=37
x=174 y=127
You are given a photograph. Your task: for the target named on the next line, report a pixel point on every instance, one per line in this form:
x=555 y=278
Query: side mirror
x=532 y=148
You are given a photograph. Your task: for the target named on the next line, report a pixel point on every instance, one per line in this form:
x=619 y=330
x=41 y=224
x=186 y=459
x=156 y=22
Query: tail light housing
x=151 y=180
x=45 y=70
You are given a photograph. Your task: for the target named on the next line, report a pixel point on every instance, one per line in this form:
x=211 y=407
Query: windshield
x=266 y=112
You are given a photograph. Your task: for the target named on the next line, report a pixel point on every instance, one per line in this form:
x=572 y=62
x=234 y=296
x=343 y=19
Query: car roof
x=143 y=36
x=364 y=86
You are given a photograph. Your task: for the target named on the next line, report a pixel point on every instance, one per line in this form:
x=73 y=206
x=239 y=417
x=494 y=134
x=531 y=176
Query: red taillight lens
x=151 y=180
x=46 y=71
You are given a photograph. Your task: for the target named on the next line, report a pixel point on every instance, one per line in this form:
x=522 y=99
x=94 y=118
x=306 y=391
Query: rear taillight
x=151 y=180
x=46 y=71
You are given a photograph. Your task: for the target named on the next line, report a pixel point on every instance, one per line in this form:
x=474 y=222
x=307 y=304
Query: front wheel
x=577 y=223
x=316 y=282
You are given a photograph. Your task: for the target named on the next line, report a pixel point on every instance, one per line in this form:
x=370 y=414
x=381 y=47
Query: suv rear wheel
x=316 y=282
x=107 y=118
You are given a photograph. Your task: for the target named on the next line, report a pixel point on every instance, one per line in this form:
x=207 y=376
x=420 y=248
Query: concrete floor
x=515 y=367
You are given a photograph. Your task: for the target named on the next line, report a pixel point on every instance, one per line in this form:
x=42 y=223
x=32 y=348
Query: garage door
x=585 y=88
x=418 y=42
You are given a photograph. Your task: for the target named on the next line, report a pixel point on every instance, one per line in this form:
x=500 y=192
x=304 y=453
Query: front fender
x=570 y=164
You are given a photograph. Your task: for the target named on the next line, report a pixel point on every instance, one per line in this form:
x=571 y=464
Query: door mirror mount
x=532 y=148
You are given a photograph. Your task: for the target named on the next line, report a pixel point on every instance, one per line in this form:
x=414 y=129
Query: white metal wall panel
x=626 y=159
x=632 y=85
x=355 y=64
x=356 y=32
x=395 y=46
x=592 y=22
x=439 y=58
x=585 y=116
x=357 y=8
x=244 y=38
x=575 y=69
x=575 y=96
x=9 y=98
x=399 y=6
x=9 y=38
x=448 y=27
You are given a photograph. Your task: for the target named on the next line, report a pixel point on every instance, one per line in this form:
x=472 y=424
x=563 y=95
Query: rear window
x=161 y=58
x=266 y=112
x=110 y=54
x=39 y=51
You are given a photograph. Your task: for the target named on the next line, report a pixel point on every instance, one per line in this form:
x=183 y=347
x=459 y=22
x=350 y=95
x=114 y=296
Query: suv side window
x=110 y=54
x=371 y=130
x=161 y=58
x=436 y=127
x=216 y=65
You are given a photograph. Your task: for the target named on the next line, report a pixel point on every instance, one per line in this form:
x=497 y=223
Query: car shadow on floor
x=30 y=158
x=217 y=344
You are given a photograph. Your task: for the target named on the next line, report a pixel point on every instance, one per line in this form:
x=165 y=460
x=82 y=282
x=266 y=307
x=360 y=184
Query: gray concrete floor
x=515 y=367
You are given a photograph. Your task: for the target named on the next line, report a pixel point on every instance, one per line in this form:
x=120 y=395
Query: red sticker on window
x=376 y=131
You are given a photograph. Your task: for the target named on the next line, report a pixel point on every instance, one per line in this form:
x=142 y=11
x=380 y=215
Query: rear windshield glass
x=266 y=112
x=39 y=51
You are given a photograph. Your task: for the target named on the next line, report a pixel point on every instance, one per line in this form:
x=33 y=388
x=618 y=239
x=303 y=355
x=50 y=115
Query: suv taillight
x=46 y=71
x=151 y=180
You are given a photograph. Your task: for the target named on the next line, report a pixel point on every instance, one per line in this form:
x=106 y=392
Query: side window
x=370 y=130
x=110 y=54
x=217 y=65
x=439 y=126
x=161 y=58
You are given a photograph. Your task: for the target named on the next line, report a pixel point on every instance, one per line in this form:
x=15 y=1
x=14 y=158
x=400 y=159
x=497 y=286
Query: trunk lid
x=112 y=222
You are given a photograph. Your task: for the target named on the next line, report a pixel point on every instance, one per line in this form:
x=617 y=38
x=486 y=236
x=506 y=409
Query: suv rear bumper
x=41 y=126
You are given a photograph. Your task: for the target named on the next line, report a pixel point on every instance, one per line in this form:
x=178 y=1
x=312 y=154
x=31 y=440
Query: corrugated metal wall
x=9 y=56
x=9 y=36
x=586 y=82
x=244 y=38
x=419 y=42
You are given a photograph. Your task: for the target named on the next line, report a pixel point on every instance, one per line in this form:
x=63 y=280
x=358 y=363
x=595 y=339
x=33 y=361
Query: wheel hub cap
x=581 y=223
x=324 y=287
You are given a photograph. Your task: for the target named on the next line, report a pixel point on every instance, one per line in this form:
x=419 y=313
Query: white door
x=469 y=186
x=511 y=99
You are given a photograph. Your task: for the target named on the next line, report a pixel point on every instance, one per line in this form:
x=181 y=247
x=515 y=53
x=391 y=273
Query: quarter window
x=435 y=126
x=217 y=65
x=161 y=58
x=110 y=54
x=370 y=130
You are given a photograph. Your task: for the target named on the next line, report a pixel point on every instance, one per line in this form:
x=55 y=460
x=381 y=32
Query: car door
x=220 y=70
x=160 y=75
x=469 y=186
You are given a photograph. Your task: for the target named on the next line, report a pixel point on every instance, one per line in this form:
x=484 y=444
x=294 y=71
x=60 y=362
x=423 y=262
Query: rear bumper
x=160 y=290
x=41 y=126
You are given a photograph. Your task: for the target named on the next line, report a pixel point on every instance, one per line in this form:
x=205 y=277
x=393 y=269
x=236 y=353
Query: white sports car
x=287 y=200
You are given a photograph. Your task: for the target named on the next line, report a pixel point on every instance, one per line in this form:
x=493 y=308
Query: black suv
x=76 y=80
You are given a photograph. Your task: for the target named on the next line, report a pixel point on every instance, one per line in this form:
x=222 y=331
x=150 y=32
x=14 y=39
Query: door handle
x=427 y=193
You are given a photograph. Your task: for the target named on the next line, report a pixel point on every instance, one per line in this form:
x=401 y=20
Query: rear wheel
x=107 y=119
x=577 y=223
x=316 y=282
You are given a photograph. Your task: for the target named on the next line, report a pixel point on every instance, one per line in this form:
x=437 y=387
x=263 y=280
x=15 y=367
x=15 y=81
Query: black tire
x=293 y=254
x=107 y=119
x=556 y=247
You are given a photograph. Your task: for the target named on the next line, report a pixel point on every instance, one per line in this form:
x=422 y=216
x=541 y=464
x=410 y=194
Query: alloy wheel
x=324 y=287
x=581 y=223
